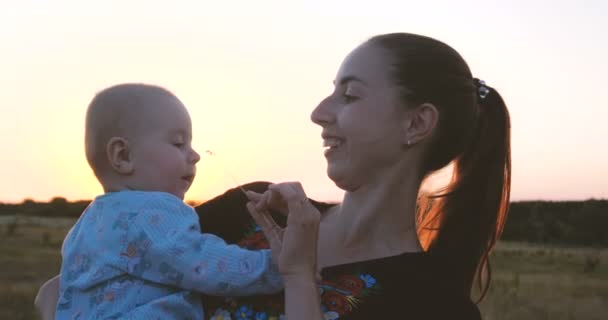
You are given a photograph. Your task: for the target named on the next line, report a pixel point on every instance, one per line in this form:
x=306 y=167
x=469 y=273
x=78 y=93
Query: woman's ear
x=119 y=155
x=420 y=123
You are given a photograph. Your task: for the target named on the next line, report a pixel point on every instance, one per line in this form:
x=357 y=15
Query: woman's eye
x=349 y=98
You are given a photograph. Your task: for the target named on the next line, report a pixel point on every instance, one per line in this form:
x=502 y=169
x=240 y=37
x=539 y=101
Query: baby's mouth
x=188 y=178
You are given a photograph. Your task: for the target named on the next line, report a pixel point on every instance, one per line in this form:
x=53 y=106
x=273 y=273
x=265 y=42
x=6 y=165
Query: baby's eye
x=179 y=144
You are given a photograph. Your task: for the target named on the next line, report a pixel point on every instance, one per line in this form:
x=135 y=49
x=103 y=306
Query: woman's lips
x=331 y=144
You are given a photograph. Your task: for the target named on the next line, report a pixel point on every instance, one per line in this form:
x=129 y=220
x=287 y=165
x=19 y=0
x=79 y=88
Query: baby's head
x=138 y=137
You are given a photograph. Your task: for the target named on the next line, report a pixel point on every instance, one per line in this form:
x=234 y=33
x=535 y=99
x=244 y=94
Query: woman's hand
x=269 y=200
x=295 y=245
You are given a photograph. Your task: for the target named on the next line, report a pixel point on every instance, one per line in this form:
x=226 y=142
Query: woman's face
x=362 y=120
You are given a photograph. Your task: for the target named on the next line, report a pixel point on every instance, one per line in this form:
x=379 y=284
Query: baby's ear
x=119 y=155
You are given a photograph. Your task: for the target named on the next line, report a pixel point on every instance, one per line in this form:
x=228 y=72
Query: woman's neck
x=376 y=220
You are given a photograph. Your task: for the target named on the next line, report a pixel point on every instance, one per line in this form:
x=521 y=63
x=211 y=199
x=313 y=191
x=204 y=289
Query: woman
x=404 y=106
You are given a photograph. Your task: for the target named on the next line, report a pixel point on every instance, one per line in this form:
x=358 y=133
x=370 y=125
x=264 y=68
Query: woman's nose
x=322 y=114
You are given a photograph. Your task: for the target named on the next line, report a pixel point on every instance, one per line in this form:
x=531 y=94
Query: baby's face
x=163 y=157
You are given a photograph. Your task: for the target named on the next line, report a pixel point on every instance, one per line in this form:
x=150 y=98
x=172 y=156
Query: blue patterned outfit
x=141 y=255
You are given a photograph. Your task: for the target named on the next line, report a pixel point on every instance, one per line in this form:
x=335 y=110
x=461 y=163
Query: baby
x=137 y=251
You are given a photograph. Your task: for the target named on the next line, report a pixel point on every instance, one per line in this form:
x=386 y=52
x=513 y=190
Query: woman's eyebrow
x=349 y=78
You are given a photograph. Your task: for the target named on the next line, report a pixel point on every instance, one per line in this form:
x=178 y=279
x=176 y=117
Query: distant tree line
x=577 y=223
x=574 y=223
x=57 y=207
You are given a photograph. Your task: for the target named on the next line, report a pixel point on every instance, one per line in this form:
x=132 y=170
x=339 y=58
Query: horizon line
x=198 y=201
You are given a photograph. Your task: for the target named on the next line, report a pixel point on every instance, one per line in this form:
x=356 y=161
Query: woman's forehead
x=367 y=64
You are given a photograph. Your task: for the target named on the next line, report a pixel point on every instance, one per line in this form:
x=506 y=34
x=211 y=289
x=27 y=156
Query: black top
x=407 y=286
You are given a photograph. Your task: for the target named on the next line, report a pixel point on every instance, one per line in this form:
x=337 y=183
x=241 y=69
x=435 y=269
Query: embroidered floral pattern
x=342 y=296
x=221 y=314
x=255 y=240
x=339 y=296
x=243 y=313
x=331 y=315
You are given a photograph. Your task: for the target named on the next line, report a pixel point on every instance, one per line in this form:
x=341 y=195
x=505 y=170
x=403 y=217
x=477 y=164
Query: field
x=529 y=281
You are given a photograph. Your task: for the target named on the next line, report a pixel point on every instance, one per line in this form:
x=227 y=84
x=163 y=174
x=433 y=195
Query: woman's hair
x=462 y=222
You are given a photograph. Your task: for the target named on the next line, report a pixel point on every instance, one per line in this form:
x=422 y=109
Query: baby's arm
x=169 y=248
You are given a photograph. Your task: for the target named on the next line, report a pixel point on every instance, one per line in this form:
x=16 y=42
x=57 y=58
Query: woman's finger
x=263 y=219
x=277 y=202
x=286 y=190
x=253 y=196
x=292 y=195
x=262 y=205
x=258 y=217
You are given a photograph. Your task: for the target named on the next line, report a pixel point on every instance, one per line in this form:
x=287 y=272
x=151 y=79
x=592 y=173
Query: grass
x=536 y=282
x=529 y=281
x=29 y=256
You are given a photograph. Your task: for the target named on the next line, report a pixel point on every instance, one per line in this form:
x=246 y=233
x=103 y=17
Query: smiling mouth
x=332 y=143
x=188 y=178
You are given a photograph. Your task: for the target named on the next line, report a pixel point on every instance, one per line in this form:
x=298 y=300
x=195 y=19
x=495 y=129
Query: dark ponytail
x=461 y=223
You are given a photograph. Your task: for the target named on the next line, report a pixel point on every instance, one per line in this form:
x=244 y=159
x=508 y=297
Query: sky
x=250 y=73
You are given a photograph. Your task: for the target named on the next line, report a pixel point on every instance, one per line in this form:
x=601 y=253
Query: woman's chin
x=341 y=178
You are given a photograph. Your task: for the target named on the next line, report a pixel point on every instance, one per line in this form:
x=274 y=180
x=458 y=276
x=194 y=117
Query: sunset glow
x=250 y=73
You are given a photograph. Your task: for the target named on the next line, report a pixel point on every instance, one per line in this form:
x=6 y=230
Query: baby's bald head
x=122 y=110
